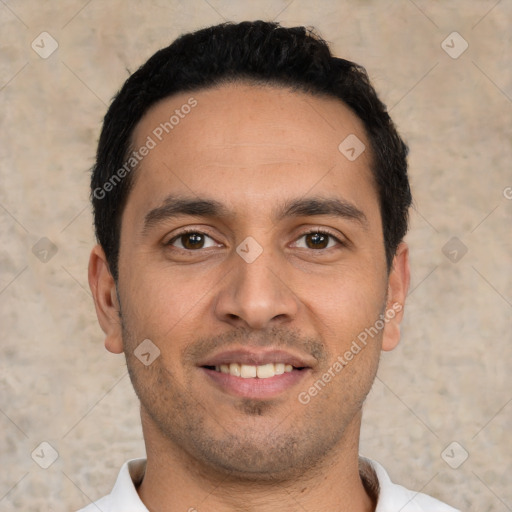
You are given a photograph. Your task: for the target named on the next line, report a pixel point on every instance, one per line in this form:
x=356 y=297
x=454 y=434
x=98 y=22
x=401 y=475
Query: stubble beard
x=250 y=453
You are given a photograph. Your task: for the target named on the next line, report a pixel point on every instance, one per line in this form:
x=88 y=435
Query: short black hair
x=257 y=52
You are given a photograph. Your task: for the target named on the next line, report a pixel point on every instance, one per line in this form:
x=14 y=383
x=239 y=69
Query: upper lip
x=257 y=357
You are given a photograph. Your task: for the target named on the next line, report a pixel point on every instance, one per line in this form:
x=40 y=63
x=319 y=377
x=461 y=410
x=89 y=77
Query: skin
x=251 y=148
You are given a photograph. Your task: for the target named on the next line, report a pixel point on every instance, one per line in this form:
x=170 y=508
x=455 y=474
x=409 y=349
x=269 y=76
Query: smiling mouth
x=247 y=371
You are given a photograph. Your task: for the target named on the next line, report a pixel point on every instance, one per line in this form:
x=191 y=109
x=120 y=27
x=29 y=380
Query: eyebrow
x=174 y=206
x=333 y=207
x=177 y=206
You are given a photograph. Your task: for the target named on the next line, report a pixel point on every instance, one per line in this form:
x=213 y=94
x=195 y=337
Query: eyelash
x=195 y=231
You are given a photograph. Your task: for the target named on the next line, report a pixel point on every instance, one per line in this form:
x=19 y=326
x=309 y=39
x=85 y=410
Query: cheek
x=345 y=301
x=160 y=302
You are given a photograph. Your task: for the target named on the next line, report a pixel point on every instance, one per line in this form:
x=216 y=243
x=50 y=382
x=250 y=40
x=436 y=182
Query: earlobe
x=103 y=288
x=398 y=286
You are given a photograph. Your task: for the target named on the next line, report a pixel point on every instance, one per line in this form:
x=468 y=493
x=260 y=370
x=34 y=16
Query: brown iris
x=192 y=240
x=317 y=240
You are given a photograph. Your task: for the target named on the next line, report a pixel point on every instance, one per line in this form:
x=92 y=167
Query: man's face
x=285 y=265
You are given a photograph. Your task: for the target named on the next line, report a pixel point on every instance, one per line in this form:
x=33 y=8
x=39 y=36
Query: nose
x=255 y=294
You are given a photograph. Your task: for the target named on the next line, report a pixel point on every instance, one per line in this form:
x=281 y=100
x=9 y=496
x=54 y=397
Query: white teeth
x=234 y=369
x=248 y=371
x=279 y=368
x=265 y=371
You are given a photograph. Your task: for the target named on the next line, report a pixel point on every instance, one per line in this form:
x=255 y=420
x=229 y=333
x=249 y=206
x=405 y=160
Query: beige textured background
x=450 y=378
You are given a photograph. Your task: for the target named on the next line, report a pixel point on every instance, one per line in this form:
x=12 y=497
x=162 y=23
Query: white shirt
x=392 y=497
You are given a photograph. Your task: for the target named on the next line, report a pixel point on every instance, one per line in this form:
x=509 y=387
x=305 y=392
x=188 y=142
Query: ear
x=398 y=286
x=103 y=288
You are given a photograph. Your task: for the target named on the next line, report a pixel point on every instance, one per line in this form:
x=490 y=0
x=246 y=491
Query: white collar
x=392 y=497
x=124 y=496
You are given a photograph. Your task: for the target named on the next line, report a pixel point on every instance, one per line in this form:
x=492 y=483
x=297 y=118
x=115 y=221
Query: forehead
x=244 y=141
x=239 y=112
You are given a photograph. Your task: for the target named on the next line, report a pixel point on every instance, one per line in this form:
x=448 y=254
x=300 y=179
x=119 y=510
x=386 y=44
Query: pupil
x=193 y=240
x=317 y=240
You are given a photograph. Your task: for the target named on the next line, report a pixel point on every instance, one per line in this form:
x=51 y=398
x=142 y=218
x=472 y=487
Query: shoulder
x=393 y=497
x=123 y=496
x=103 y=504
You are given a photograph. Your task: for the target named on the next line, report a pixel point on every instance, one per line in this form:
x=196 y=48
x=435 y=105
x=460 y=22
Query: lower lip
x=254 y=387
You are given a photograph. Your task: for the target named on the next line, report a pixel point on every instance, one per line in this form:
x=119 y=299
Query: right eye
x=191 y=241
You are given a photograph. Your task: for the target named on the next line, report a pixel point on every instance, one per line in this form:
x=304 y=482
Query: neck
x=173 y=482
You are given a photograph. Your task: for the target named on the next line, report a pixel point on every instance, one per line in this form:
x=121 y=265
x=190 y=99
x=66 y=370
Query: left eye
x=317 y=240
x=192 y=240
